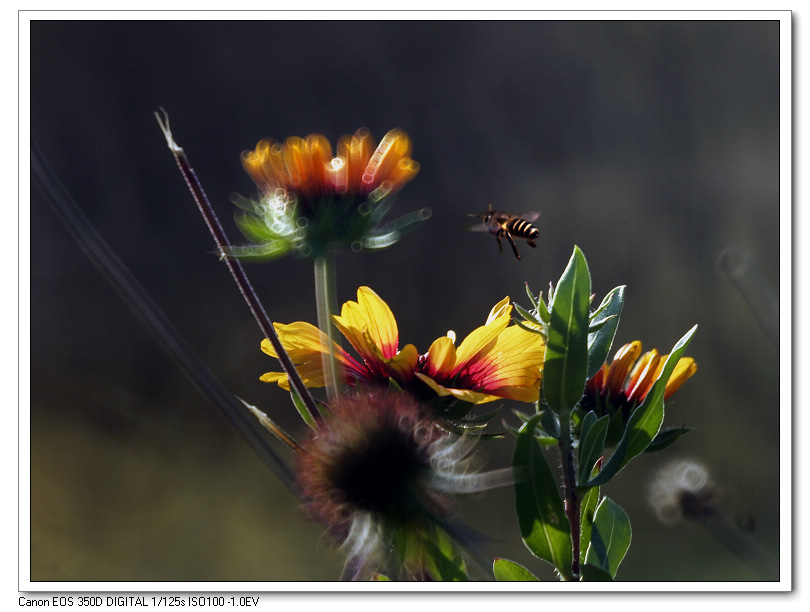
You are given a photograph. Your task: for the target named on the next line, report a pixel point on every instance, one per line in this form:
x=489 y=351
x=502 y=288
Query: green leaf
x=615 y=429
x=380 y=578
x=644 y=423
x=527 y=316
x=591 y=446
x=589 y=573
x=509 y=571
x=541 y=514
x=665 y=438
x=532 y=299
x=539 y=305
x=610 y=537
x=586 y=422
x=587 y=510
x=540 y=434
x=603 y=324
x=443 y=561
x=566 y=361
x=550 y=423
x=309 y=419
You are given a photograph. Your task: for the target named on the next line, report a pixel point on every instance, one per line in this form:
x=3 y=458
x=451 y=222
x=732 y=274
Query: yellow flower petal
x=480 y=339
x=441 y=357
x=500 y=309
x=493 y=361
x=306 y=346
x=299 y=339
x=403 y=365
x=370 y=326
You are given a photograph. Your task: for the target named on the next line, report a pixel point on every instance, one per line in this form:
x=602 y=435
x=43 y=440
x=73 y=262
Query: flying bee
x=504 y=224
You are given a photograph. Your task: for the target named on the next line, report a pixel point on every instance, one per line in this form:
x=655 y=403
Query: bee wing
x=532 y=215
x=479 y=227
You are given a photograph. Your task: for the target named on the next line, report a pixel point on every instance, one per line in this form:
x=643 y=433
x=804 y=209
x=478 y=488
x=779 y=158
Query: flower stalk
x=570 y=497
x=326 y=304
x=233 y=264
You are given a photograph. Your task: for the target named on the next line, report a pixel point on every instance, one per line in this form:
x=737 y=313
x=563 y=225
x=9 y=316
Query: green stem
x=570 y=488
x=326 y=304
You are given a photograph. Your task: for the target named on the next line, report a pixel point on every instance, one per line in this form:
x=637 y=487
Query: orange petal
x=620 y=366
x=643 y=375
x=683 y=371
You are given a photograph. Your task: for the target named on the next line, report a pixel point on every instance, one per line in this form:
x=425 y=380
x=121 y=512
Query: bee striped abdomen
x=522 y=229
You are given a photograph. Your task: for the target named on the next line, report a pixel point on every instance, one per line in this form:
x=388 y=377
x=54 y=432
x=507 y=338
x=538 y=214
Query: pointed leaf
x=550 y=424
x=587 y=421
x=532 y=299
x=509 y=571
x=443 y=561
x=527 y=316
x=539 y=305
x=610 y=537
x=591 y=446
x=566 y=360
x=587 y=511
x=590 y=573
x=603 y=326
x=541 y=514
x=309 y=419
x=665 y=438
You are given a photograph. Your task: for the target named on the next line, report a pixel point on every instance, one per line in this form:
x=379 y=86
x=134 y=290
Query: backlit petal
x=683 y=371
x=643 y=375
x=441 y=357
x=306 y=346
x=402 y=366
x=620 y=366
x=480 y=339
x=500 y=309
x=369 y=325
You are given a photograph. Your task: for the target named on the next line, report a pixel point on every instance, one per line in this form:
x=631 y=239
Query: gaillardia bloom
x=312 y=201
x=623 y=385
x=381 y=477
x=495 y=361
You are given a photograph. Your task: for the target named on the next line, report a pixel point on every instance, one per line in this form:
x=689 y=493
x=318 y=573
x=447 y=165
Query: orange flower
x=306 y=167
x=312 y=201
x=624 y=383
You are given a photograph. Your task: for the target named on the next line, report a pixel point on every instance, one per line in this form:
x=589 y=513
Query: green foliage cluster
x=583 y=535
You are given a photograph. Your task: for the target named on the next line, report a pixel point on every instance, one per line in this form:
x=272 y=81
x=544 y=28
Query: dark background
x=651 y=145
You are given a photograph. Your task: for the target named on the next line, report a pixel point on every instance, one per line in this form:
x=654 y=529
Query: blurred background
x=651 y=145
